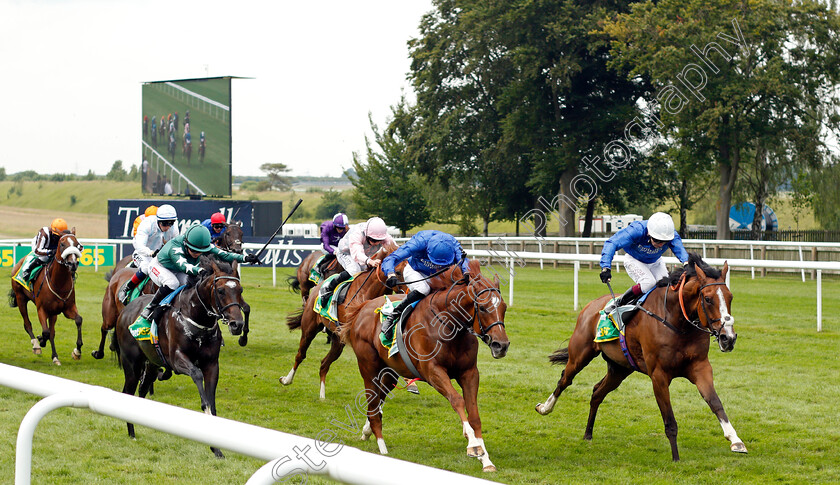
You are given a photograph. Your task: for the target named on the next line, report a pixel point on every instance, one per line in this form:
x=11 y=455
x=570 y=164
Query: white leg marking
x=383 y=450
x=548 y=406
x=35 y=344
x=207 y=411
x=486 y=464
x=474 y=447
x=323 y=394
x=288 y=378
x=730 y=434
x=366 y=431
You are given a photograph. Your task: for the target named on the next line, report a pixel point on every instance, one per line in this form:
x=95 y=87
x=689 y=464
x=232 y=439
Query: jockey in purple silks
x=331 y=233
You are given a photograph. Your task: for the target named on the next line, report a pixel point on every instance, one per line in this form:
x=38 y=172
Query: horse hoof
x=285 y=381
x=243 y=341
x=76 y=354
x=539 y=409
x=412 y=388
x=56 y=361
x=489 y=469
x=36 y=351
x=475 y=451
x=738 y=447
x=97 y=354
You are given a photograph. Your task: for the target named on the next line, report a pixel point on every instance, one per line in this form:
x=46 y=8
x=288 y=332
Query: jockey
x=178 y=259
x=427 y=253
x=150 y=211
x=201 y=138
x=151 y=235
x=355 y=251
x=187 y=117
x=331 y=233
x=44 y=245
x=644 y=242
x=216 y=225
x=187 y=138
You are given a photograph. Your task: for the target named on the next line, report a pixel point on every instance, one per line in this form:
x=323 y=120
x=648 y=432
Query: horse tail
x=12 y=299
x=294 y=283
x=294 y=319
x=560 y=356
x=115 y=348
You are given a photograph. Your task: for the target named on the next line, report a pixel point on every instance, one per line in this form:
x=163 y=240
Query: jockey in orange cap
x=44 y=245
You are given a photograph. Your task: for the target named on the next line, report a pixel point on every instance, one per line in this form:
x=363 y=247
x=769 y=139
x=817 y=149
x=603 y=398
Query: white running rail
x=281 y=450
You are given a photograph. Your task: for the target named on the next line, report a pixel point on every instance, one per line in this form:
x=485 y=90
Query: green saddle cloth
x=32 y=275
x=387 y=339
x=138 y=290
x=330 y=311
x=606 y=330
x=314 y=275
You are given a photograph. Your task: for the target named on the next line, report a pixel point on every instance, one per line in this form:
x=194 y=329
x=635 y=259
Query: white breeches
x=142 y=262
x=349 y=264
x=410 y=274
x=164 y=277
x=645 y=274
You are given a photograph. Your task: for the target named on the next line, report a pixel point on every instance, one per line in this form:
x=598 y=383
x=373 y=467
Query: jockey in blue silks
x=217 y=225
x=427 y=253
x=331 y=233
x=644 y=242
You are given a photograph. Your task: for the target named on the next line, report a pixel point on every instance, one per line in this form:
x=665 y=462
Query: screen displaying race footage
x=186 y=137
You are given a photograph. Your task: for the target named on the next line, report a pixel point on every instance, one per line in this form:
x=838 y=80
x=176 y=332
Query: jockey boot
x=322 y=268
x=327 y=291
x=125 y=289
x=153 y=310
x=391 y=320
x=27 y=270
x=624 y=299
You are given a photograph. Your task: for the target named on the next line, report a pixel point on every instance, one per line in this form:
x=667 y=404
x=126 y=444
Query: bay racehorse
x=301 y=283
x=112 y=306
x=667 y=338
x=231 y=241
x=366 y=285
x=202 y=147
x=54 y=293
x=441 y=339
x=188 y=332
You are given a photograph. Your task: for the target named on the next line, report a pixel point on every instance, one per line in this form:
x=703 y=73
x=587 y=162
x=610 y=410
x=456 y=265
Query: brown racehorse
x=694 y=304
x=112 y=306
x=54 y=293
x=300 y=282
x=190 y=338
x=441 y=336
x=367 y=284
x=231 y=241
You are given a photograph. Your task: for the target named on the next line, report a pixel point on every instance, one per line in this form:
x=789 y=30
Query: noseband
x=483 y=332
x=217 y=302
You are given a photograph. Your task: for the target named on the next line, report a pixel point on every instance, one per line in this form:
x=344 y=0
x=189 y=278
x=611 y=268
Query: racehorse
x=54 y=293
x=667 y=338
x=154 y=137
x=201 y=149
x=112 y=306
x=301 y=283
x=366 y=285
x=189 y=334
x=440 y=338
x=231 y=241
x=172 y=147
x=188 y=151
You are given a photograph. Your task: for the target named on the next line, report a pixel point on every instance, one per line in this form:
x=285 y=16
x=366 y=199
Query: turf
x=779 y=388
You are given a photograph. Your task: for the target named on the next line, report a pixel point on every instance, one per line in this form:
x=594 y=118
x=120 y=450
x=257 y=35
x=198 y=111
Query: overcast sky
x=72 y=70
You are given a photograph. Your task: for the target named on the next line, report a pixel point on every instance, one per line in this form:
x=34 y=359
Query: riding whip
x=259 y=254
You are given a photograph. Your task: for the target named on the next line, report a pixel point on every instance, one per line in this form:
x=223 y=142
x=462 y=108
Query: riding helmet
x=217 y=218
x=166 y=213
x=660 y=226
x=376 y=229
x=58 y=225
x=198 y=238
x=151 y=210
x=440 y=250
x=340 y=220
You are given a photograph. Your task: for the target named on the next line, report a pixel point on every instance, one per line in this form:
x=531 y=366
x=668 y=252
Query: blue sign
x=741 y=217
x=122 y=212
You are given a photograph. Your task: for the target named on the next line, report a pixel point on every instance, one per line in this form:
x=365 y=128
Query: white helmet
x=166 y=213
x=660 y=226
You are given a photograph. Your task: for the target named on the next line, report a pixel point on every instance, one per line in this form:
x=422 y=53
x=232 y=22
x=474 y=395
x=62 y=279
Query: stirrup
x=123 y=294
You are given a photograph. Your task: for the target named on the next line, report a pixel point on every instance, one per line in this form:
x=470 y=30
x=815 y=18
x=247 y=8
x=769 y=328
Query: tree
x=333 y=202
x=117 y=172
x=385 y=184
x=734 y=78
x=274 y=172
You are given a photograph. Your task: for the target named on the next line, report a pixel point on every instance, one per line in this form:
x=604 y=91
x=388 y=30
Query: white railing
x=195 y=100
x=157 y=158
x=281 y=450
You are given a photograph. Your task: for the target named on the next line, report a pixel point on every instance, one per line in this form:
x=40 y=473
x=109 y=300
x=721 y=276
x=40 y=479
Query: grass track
x=779 y=387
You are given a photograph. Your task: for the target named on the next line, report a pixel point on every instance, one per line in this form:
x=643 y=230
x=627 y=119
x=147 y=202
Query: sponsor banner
x=102 y=255
x=286 y=257
x=122 y=212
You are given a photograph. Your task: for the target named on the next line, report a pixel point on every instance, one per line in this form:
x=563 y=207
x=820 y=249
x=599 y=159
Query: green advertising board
x=104 y=254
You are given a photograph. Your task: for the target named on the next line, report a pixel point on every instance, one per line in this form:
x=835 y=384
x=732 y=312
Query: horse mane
x=694 y=260
x=206 y=262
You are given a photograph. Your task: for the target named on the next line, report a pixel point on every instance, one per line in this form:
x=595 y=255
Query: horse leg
x=72 y=313
x=132 y=370
x=615 y=376
x=109 y=320
x=246 y=310
x=211 y=379
x=581 y=351
x=308 y=331
x=49 y=334
x=21 y=302
x=700 y=375
x=661 y=382
x=438 y=378
x=336 y=347
x=181 y=364
x=472 y=429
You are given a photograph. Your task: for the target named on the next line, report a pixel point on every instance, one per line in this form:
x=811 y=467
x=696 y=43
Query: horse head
x=232 y=238
x=713 y=302
x=223 y=288
x=69 y=250
x=480 y=300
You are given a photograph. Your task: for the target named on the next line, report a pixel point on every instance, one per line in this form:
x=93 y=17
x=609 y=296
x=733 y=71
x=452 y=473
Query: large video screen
x=186 y=137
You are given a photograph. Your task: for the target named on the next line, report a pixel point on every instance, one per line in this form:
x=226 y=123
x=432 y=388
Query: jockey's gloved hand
x=606 y=275
x=391 y=281
x=201 y=272
x=252 y=259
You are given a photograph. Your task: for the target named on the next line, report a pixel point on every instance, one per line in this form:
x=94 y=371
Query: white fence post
x=752 y=268
x=819 y=300
x=577 y=272
x=800 y=260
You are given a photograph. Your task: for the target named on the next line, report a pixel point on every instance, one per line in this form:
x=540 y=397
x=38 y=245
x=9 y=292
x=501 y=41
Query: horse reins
x=697 y=323
x=221 y=309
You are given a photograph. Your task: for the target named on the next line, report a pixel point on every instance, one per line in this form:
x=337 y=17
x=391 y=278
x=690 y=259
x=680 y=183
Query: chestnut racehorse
x=112 y=306
x=300 y=282
x=441 y=338
x=54 y=293
x=367 y=284
x=667 y=338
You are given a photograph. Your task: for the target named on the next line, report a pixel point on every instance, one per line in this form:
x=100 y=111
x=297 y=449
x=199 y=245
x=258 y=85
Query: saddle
x=611 y=327
x=395 y=343
x=330 y=312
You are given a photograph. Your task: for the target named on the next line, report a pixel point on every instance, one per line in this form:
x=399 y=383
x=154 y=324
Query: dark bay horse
x=112 y=306
x=190 y=338
x=367 y=284
x=300 y=282
x=694 y=304
x=231 y=241
x=441 y=337
x=202 y=147
x=54 y=293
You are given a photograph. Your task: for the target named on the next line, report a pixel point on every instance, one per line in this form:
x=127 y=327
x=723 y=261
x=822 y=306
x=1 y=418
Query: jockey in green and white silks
x=178 y=259
x=152 y=233
x=644 y=242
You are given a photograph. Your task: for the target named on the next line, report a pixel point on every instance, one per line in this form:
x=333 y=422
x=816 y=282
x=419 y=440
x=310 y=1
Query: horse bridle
x=218 y=301
x=69 y=267
x=483 y=331
x=696 y=323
